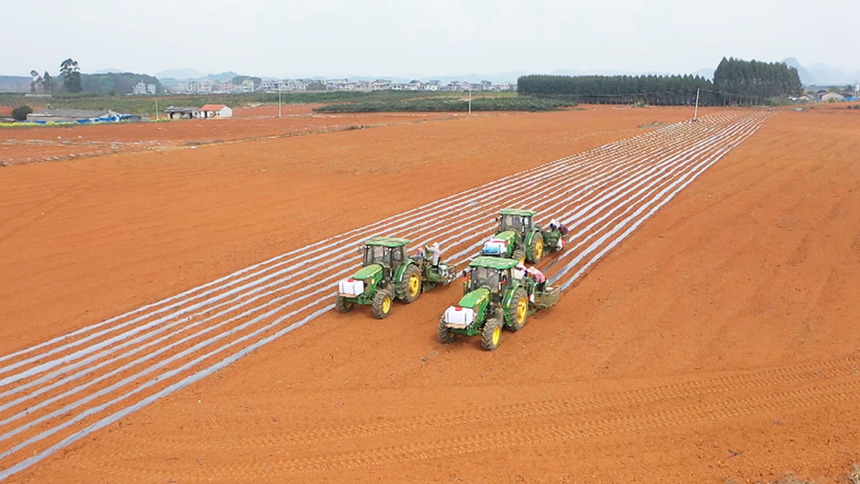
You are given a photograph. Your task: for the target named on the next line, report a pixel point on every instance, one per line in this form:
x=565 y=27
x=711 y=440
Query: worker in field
x=519 y=271
x=435 y=253
x=538 y=276
x=555 y=225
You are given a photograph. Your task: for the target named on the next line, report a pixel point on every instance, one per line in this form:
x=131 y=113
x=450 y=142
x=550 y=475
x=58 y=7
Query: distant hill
x=15 y=83
x=109 y=70
x=185 y=73
x=822 y=75
x=806 y=77
x=175 y=76
x=224 y=76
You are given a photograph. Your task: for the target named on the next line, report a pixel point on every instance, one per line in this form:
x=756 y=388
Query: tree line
x=735 y=82
x=759 y=81
x=73 y=82
x=651 y=89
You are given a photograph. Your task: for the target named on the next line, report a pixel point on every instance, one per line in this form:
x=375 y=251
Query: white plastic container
x=494 y=247
x=457 y=317
x=350 y=287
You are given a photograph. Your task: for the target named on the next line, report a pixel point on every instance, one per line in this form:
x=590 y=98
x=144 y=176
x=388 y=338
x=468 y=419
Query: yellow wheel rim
x=414 y=284
x=386 y=304
x=539 y=249
x=522 y=307
x=497 y=334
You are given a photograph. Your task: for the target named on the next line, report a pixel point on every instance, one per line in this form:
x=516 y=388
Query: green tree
x=20 y=113
x=753 y=82
x=71 y=75
x=47 y=83
x=37 y=80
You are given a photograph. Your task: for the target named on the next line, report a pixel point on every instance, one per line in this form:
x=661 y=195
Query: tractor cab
x=389 y=252
x=493 y=273
x=519 y=221
x=492 y=278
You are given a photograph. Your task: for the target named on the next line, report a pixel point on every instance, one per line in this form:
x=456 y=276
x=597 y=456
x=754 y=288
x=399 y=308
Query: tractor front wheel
x=491 y=334
x=409 y=286
x=444 y=334
x=381 y=304
x=518 y=310
x=342 y=305
x=519 y=255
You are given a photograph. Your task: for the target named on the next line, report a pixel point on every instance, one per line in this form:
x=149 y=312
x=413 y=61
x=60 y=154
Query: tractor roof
x=493 y=262
x=388 y=241
x=518 y=212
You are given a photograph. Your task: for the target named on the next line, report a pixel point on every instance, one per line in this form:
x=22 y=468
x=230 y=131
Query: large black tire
x=517 y=311
x=519 y=255
x=409 y=287
x=444 y=334
x=491 y=334
x=536 y=249
x=381 y=304
x=342 y=305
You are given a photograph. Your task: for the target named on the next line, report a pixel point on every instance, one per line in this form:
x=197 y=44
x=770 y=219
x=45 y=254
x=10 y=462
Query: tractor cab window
x=376 y=254
x=397 y=255
x=516 y=223
x=486 y=277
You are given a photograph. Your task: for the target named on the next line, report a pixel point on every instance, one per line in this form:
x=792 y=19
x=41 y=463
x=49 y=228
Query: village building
x=215 y=111
x=179 y=112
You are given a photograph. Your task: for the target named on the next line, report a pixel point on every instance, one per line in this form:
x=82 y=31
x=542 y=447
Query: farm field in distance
x=718 y=342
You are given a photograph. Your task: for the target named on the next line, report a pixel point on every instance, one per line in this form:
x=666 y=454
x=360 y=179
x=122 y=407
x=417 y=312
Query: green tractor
x=387 y=273
x=520 y=238
x=497 y=295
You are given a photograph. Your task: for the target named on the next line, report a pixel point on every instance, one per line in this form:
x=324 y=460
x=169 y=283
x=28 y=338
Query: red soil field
x=30 y=144
x=717 y=344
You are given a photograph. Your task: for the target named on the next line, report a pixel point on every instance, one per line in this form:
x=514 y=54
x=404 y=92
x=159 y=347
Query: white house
x=215 y=111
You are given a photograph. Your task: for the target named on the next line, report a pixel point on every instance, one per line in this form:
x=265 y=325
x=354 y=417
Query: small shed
x=215 y=111
x=179 y=112
x=72 y=115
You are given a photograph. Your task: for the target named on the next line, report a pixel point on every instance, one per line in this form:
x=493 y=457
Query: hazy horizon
x=373 y=38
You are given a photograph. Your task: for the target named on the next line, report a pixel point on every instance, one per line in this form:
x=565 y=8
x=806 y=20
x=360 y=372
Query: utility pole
x=470 y=100
x=696 y=112
x=156 y=109
x=279 y=100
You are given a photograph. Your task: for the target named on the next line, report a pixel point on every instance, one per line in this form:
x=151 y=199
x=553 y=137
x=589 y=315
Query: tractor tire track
x=763 y=380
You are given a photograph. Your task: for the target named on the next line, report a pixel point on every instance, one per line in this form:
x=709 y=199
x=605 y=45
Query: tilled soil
x=717 y=343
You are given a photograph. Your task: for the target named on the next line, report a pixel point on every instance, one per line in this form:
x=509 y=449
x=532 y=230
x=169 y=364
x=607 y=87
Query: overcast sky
x=421 y=39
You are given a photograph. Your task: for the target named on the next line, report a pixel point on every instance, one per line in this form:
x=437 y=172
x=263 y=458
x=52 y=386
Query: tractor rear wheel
x=444 y=334
x=409 y=287
x=491 y=334
x=518 y=310
x=535 y=252
x=342 y=305
x=381 y=304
